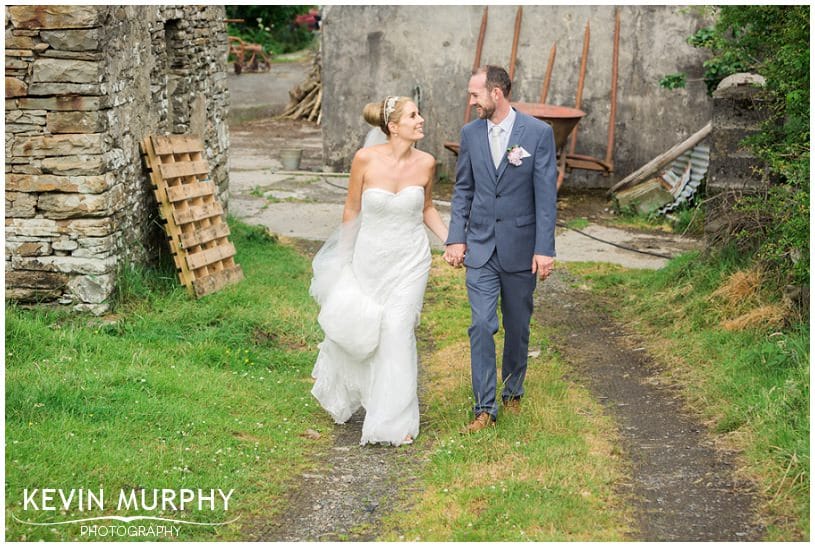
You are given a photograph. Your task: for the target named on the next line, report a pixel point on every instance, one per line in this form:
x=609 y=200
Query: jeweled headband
x=388 y=107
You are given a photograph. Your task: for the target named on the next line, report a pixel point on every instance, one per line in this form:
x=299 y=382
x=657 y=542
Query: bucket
x=290 y=158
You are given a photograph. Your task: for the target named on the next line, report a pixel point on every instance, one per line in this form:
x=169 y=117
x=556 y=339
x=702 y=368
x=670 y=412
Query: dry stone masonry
x=84 y=85
x=739 y=111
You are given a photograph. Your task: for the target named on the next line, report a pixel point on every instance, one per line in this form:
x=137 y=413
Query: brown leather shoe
x=482 y=421
x=512 y=406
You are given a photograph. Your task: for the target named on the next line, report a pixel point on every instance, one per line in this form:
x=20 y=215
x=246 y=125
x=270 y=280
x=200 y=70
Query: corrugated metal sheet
x=685 y=175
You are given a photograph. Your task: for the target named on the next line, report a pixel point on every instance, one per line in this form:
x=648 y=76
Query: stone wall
x=739 y=111
x=84 y=85
x=427 y=51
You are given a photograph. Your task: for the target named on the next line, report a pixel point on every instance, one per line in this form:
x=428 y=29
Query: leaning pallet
x=193 y=216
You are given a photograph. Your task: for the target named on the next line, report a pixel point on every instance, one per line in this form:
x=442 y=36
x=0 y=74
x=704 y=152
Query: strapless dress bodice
x=392 y=211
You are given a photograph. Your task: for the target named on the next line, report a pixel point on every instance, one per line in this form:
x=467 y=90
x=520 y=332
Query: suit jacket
x=510 y=210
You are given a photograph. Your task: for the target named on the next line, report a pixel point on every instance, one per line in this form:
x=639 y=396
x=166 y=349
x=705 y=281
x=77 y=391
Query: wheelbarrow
x=563 y=120
x=248 y=57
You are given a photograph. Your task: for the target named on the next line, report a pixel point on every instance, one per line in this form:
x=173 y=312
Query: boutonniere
x=516 y=153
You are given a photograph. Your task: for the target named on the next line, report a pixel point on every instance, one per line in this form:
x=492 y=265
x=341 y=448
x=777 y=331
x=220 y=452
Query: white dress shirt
x=506 y=125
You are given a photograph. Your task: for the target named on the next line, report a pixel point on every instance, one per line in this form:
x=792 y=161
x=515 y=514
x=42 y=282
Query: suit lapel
x=484 y=139
x=514 y=138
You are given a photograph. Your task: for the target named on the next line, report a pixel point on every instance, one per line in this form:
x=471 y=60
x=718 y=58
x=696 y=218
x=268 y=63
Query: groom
x=502 y=228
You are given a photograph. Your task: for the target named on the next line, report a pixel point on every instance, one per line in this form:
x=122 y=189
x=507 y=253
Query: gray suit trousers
x=484 y=286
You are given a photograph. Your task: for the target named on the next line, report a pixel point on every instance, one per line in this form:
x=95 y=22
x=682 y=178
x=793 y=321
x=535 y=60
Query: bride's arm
x=353 y=202
x=432 y=218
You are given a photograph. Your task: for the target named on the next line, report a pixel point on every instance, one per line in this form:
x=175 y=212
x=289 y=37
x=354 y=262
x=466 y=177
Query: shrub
x=774 y=42
x=270 y=26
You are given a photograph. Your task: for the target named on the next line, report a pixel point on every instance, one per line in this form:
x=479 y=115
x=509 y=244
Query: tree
x=271 y=26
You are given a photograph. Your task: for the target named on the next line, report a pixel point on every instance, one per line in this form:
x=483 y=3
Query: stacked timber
x=306 y=99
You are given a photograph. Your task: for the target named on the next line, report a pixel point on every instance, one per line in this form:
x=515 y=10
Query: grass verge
x=167 y=393
x=751 y=385
x=547 y=474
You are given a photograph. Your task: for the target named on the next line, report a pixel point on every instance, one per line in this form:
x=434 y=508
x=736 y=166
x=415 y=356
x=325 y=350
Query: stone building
x=84 y=85
x=427 y=52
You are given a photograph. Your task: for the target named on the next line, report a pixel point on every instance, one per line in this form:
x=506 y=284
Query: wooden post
x=477 y=61
x=580 y=82
x=518 y=16
x=614 y=71
x=653 y=166
x=548 y=77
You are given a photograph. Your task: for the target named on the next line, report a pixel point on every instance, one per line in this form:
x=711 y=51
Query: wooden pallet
x=193 y=216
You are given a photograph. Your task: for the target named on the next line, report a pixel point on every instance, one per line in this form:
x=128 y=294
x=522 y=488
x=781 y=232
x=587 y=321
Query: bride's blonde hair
x=388 y=110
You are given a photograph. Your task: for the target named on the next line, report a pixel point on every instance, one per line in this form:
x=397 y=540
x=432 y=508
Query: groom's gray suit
x=504 y=216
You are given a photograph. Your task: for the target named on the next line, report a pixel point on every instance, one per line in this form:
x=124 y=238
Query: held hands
x=543 y=265
x=454 y=254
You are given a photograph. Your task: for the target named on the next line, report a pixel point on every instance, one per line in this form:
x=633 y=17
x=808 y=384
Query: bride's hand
x=454 y=254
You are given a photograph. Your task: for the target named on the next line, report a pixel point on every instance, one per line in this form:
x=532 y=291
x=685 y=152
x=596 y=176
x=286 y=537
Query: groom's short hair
x=496 y=77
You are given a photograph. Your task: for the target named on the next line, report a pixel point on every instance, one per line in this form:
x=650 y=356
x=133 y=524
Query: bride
x=370 y=277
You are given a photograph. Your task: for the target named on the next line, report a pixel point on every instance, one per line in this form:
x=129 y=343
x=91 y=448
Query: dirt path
x=255 y=95
x=683 y=489
x=346 y=500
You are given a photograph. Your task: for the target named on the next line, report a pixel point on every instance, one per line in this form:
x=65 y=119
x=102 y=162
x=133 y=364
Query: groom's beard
x=486 y=112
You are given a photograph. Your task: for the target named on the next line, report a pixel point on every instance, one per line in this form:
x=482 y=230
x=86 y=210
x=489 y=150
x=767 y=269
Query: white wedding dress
x=369 y=279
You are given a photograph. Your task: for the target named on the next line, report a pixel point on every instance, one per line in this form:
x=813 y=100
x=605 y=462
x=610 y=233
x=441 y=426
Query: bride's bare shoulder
x=368 y=153
x=425 y=159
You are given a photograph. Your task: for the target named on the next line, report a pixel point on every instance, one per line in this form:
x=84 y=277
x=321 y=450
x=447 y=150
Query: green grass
x=686 y=219
x=167 y=392
x=752 y=386
x=641 y=222
x=170 y=392
x=578 y=223
x=548 y=474
x=259 y=192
